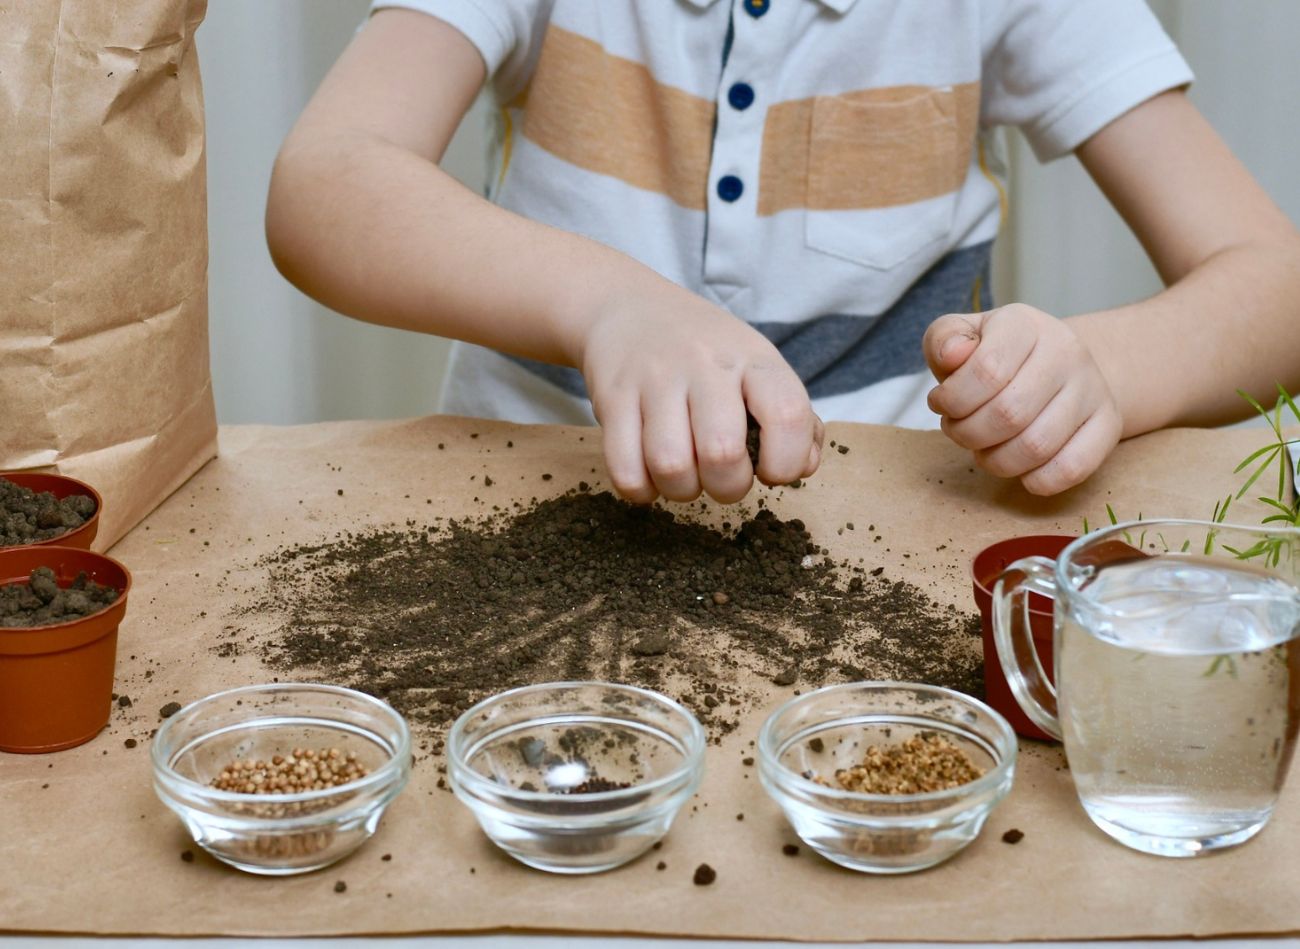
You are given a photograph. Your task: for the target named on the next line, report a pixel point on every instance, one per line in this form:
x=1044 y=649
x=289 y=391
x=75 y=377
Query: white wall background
x=279 y=357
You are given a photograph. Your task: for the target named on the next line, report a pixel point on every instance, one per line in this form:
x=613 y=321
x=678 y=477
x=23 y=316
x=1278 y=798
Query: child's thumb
x=949 y=341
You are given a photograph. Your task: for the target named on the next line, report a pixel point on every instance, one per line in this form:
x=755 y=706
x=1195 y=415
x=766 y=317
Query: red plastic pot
x=56 y=682
x=61 y=486
x=988 y=564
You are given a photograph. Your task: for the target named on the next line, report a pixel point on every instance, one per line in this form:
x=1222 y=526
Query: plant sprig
x=1275 y=453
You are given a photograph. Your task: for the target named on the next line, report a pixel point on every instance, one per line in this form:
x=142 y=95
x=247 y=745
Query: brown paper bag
x=103 y=225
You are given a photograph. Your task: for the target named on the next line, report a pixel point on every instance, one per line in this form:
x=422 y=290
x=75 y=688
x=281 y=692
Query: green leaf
x=1255 y=454
x=1110 y=512
x=1277 y=504
x=1290 y=402
x=1259 y=471
x=1261 y=410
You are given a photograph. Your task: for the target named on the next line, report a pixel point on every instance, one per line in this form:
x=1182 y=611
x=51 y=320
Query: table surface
x=581 y=942
x=1202 y=894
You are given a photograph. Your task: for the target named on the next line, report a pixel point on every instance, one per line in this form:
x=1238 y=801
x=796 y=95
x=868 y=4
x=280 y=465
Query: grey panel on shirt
x=836 y=354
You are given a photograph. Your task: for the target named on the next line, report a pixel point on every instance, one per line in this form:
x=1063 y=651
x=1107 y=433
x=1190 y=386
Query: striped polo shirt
x=826 y=170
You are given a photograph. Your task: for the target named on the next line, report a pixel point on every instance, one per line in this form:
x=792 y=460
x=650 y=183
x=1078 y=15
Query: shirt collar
x=839 y=6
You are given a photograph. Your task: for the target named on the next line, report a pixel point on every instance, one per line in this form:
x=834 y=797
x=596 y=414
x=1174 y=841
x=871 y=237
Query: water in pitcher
x=1180 y=710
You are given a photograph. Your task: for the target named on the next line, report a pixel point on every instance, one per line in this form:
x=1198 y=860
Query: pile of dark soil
x=586 y=586
x=29 y=517
x=42 y=602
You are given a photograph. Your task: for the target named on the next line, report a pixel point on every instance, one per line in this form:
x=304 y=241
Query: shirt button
x=730 y=188
x=756 y=8
x=741 y=96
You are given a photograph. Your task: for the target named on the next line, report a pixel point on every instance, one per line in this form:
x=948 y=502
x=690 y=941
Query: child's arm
x=1046 y=400
x=360 y=217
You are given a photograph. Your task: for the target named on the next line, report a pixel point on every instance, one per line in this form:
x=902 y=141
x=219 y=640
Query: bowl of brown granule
x=282 y=778
x=886 y=777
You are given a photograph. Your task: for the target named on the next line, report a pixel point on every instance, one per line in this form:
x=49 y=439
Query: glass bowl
x=280 y=834
x=575 y=777
x=830 y=729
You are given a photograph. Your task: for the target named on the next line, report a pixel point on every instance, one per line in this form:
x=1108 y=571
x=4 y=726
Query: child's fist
x=1021 y=390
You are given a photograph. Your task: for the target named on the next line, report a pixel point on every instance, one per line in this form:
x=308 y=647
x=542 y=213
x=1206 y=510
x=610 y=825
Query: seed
x=301 y=770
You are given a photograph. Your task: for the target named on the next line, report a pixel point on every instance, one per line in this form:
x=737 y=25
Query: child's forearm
x=1231 y=323
x=379 y=233
x=1230 y=317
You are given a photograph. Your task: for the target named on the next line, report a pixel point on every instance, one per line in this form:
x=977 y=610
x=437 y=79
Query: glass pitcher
x=1177 y=675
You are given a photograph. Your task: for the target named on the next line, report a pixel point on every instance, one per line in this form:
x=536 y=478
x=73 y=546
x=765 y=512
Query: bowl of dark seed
x=284 y=778
x=886 y=777
x=576 y=777
x=44 y=508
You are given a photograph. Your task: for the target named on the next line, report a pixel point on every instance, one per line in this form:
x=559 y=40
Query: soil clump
x=586 y=586
x=29 y=517
x=42 y=602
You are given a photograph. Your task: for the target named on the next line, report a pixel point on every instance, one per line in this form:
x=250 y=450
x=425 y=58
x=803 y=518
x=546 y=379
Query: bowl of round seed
x=284 y=778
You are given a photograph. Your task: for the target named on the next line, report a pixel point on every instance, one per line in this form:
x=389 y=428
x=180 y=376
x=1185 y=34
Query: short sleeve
x=1063 y=71
x=505 y=32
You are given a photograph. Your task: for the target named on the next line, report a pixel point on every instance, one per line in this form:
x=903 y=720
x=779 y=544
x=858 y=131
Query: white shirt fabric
x=826 y=170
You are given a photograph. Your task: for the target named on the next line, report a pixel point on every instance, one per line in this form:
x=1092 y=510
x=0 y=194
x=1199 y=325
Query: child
x=710 y=208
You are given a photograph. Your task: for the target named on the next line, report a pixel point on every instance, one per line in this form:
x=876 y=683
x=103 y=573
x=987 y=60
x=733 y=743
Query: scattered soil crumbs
x=704 y=875
x=42 y=602
x=919 y=765
x=29 y=517
x=586 y=586
x=595 y=785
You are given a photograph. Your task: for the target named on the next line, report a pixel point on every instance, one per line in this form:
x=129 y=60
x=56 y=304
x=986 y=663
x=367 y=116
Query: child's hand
x=671 y=377
x=1022 y=391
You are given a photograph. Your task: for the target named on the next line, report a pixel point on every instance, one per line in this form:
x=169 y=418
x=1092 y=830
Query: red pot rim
x=16 y=565
x=984 y=575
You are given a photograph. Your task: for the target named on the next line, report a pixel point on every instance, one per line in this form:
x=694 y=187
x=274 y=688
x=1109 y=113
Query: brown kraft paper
x=88 y=848
x=103 y=339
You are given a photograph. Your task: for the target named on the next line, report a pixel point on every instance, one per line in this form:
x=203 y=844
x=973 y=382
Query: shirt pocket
x=883 y=175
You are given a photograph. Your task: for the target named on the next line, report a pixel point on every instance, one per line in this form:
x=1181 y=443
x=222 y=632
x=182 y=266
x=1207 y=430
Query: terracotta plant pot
x=56 y=682
x=985 y=568
x=61 y=486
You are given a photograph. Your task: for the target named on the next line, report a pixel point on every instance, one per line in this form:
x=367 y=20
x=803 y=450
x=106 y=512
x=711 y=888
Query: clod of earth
x=42 y=602
x=585 y=586
x=704 y=875
x=29 y=517
x=170 y=709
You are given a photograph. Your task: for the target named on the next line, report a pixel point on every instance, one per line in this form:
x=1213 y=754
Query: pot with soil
x=49 y=509
x=987 y=566
x=60 y=608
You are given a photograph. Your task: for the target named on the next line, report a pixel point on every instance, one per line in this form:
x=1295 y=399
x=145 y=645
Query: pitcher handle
x=1015 y=643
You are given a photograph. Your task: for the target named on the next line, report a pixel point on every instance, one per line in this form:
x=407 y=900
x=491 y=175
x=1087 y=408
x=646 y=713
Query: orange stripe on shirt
x=871 y=148
x=610 y=116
